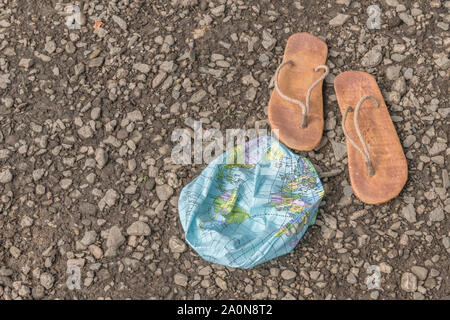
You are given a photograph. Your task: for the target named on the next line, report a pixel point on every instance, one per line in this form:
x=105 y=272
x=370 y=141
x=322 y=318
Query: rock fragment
x=120 y=22
x=138 y=228
x=164 y=192
x=408 y=282
x=5 y=176
x=339 y=20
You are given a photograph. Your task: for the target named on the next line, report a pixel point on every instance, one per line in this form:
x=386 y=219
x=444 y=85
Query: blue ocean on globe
x=251 y=204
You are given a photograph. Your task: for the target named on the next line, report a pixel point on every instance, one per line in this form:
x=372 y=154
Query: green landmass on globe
x=225 y=206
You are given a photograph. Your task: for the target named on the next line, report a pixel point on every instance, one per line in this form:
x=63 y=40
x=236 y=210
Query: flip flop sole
x=307 y=52
x=386 y=152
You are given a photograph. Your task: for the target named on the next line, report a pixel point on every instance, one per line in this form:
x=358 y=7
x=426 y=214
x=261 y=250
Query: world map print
x=243 y=214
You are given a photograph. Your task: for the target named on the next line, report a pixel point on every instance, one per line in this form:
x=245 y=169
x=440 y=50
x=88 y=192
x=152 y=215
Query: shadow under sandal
x=376 y=162
x=296 y=106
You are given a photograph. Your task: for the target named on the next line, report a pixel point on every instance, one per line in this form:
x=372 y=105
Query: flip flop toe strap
x=305 y=108
x=365 y=153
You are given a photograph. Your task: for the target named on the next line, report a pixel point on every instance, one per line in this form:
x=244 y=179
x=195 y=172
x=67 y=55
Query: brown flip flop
x=376 y=162
x=296 y=106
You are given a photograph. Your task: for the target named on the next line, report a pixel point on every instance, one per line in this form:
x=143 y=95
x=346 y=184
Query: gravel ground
x=86 y=118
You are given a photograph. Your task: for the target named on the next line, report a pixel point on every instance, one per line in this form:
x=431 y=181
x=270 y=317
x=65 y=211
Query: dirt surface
x=86 y=118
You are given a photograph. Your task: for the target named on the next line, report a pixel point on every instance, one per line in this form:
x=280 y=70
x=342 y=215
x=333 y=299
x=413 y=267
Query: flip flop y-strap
x=305 y=108
x=365 y=153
